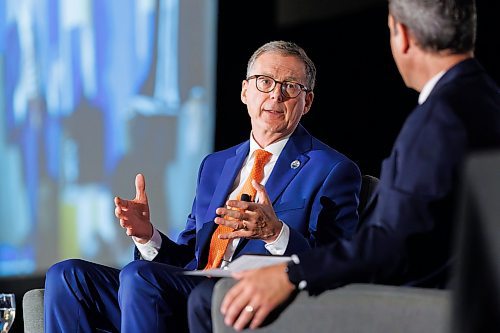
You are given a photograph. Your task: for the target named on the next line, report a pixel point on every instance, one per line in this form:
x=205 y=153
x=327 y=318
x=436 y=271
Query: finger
x=140 y=188
x=123 y=204
x=235 y=308
x=236 y=234
x=121 y=213
x=118 y=212
x=221 y=211
x=124 y=224
x=261 y=193
x=235 y=224
x=238 y=205
x=233 y=214
x=260 y=314
x=243 y=319
x=229 y=298
x=227 y=211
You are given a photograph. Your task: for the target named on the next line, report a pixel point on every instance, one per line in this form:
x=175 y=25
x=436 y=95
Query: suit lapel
x=289 y=163
x=230 y=171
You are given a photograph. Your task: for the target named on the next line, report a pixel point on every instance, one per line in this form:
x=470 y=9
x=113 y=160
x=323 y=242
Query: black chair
x=368 y=186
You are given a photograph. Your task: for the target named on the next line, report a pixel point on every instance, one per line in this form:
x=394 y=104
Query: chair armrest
x=355 y=308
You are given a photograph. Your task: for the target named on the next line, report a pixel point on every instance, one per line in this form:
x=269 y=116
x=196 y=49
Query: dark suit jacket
x=408 y=231
x=318 y=200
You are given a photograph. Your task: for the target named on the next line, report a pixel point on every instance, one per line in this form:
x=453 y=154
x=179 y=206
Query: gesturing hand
x=134 y=214
x=256 y=220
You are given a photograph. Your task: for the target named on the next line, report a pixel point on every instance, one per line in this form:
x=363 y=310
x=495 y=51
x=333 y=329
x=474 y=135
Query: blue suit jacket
x=408 y=232
x=318 y=200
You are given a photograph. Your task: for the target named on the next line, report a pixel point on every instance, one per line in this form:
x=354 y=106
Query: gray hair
x=286 y=49
x=438 y=25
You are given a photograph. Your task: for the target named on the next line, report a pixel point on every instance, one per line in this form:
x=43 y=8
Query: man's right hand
x=256 y=294
x=134 y=214
x=253 y=220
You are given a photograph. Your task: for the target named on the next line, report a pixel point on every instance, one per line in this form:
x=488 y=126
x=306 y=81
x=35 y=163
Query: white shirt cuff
x=150 y=249
x=278 y=247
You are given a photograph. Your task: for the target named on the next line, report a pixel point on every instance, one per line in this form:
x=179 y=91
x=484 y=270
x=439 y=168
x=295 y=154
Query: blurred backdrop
x=93 y=92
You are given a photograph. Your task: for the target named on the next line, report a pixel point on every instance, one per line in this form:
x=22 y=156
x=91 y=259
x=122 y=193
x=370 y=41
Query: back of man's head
x=438 y=25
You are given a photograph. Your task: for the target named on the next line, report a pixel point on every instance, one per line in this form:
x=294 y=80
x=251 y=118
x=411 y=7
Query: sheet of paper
x=248 y=261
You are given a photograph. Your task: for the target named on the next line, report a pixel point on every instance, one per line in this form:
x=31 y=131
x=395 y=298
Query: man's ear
x=243 y=95
x=309 y=100
x=400 y=35
x=405 y=37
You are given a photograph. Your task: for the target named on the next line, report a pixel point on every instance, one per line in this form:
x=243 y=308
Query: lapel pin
x=295 y=164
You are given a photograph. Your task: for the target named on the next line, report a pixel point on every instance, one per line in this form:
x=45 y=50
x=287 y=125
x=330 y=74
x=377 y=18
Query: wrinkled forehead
x=280 y=66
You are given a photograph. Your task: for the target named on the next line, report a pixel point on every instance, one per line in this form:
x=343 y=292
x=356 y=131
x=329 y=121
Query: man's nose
x=276 y=92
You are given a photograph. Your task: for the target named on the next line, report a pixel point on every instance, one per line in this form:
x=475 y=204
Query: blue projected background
x=91 y=93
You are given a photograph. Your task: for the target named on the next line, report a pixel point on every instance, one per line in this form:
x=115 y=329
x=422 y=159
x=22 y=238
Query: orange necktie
x=218 y=246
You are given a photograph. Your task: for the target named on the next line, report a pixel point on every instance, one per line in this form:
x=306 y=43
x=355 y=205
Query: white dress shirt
x=427 y=89
x=150 y=249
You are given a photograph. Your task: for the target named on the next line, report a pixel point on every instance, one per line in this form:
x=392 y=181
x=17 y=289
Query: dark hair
x=438 y=25
x=286 y=48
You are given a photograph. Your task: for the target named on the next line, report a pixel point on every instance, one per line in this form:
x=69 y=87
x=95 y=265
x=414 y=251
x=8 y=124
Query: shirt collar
x=274 y=148
x=427 y=89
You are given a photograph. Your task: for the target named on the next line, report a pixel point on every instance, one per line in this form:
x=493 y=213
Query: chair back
x=476 y=284
x=368 y=185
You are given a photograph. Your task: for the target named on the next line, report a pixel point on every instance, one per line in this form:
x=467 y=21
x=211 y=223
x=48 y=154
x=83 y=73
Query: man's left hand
x=255 y=220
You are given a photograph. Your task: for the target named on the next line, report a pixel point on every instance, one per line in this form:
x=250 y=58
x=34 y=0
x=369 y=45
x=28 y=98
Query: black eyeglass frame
x=282 y=83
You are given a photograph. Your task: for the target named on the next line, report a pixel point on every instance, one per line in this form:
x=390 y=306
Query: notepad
x=245 y=262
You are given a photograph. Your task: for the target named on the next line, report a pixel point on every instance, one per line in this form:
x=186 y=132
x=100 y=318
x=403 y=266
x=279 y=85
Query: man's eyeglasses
x=289 y=89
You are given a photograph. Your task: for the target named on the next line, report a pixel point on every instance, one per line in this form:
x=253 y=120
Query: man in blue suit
x=407 y=236
x=308 y=196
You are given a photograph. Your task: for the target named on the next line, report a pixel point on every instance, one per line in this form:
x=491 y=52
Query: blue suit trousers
x=142 y=297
